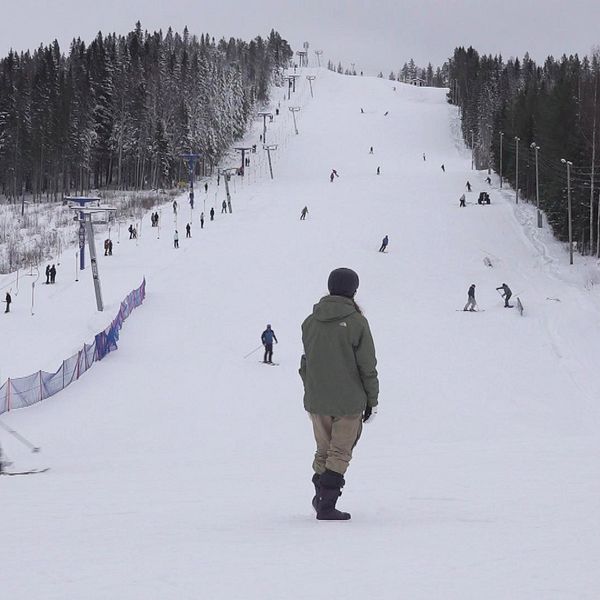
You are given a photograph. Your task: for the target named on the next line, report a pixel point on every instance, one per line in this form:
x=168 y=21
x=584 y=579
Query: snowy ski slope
x=181 y=470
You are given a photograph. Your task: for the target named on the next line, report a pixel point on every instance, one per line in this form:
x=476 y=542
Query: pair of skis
x=30 y=472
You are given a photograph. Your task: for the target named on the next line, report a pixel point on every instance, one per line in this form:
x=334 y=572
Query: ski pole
x=24 y=441
x=253 y=351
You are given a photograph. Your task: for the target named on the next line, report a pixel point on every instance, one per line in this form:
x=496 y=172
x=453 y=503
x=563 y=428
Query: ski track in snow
x=181 y=470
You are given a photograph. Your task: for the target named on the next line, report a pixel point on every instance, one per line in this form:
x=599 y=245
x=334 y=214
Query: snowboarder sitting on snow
x=267 y=337
x=303 y=213
x=463 y=200
x=506 y=295
x=384 y=244
x=471 y=304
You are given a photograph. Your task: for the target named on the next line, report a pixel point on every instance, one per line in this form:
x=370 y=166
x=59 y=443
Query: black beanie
x=343 y=282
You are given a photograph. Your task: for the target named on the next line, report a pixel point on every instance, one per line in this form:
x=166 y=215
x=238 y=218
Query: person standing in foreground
x=267 y=337
x=338 y=370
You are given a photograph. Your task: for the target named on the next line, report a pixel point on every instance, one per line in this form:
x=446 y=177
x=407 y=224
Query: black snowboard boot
x=331 y=489
x=316 y=479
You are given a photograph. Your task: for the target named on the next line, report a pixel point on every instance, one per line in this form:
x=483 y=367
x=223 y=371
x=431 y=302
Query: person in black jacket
x=212 y=214
x=471 y=304
x=384 y=244
x=507 y=293
x=267 y=337
x=8 y=301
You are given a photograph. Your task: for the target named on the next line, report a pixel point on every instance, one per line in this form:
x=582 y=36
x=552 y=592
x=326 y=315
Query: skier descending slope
x=338 y=370
x=267 y=337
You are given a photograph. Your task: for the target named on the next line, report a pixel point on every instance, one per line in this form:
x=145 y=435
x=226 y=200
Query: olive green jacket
x=338 y=367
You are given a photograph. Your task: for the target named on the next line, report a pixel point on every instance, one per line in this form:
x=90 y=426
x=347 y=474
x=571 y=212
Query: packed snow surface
x=181 y=470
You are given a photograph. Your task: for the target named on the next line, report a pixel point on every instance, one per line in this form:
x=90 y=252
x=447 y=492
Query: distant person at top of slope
x=506 y=294
x=384 y=244
x=8 y=300
x=424 y=157
x=386 y=113
x=371 y=150
x=304 y=213
x=443 y=168
x=468 y=186
x=175 y=206
x=212 y=214
x=471 y=305
x=362 y=112
x=378 y=170
x=267 y=337
x=341 y=386
x=334 y=173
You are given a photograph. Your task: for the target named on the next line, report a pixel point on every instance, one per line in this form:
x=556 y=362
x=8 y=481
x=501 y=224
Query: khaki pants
x=336 y=438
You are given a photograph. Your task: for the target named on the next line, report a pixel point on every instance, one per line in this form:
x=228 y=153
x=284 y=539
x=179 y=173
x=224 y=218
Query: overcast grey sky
x=373 y=34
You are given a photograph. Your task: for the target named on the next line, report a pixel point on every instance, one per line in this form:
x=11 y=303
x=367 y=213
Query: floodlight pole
x=268 y=149
x=294 y=110
x=501 y=137
x=319 y=53
x=310 y=78
x=569 y=164
x=517 y=140
x=537 y=184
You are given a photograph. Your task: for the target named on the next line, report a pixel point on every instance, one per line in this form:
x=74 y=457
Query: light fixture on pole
x=517 y=140
x=569 y=164
x=537 y=184
x=472 y=150
x=501 y=137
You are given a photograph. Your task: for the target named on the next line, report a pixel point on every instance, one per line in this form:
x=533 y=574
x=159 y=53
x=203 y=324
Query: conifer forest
x=119 y=112
x=552 y=109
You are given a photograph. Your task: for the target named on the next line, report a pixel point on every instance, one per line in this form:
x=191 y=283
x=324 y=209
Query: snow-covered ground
x=179 y=469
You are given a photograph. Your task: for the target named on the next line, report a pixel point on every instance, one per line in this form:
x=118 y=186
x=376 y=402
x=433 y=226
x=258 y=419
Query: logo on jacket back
x=343 y=324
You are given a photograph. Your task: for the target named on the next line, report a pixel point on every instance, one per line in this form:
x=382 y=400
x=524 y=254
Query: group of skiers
x=108 y=247
x=154 y=219
x=471 y=304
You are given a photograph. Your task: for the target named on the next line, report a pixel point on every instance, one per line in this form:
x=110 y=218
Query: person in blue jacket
x=267 y=337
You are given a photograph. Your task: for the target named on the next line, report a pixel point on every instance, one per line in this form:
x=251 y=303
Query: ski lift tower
x=226 y=174
x=311 y=78
x=264 y=115
x=85 y=217
x=191 y=159
x=294 y=110
x=269 y=148
x=83 y=202
x=243 y=150
x=303 y=59
x=319 y=54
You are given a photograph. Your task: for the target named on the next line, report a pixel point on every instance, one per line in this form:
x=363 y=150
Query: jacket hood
x=333 y=308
